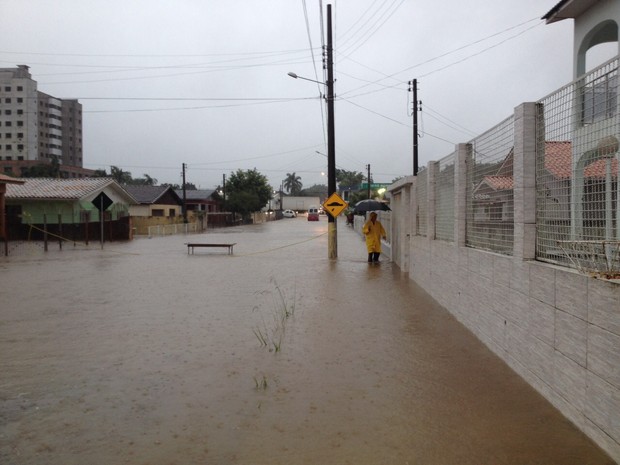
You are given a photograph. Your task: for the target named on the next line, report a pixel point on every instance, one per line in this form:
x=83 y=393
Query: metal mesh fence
x=490 y=199
x=577 y=169
x=444 y=199
x=422 y=202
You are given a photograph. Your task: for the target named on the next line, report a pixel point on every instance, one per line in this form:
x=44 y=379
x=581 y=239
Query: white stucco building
x=34 y=126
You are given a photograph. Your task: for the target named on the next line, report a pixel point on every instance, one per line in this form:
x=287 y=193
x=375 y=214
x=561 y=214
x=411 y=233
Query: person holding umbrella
x=373 y=230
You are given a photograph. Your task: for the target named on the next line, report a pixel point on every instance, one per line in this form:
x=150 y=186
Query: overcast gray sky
x=204 y=82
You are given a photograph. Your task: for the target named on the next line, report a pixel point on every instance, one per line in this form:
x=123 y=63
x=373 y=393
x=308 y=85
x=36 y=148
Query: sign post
x=102 y=202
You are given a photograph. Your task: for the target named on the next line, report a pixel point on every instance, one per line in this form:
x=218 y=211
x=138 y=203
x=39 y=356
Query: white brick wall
x=558 y=329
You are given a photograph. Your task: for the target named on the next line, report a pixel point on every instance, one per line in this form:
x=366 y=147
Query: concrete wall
x=557 y=328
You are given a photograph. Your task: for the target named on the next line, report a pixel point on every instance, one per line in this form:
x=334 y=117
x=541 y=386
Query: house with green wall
x=70 y=201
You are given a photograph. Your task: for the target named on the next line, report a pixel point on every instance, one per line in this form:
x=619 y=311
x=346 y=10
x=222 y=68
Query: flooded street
x=142 y=354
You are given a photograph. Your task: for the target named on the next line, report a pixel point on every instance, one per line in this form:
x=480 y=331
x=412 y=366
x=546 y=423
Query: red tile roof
x=558 y=159
x=559 y=163
x=4 y=179
x=499 y=183
x=598 y=169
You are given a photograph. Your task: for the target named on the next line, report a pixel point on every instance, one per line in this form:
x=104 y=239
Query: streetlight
x=332 y=246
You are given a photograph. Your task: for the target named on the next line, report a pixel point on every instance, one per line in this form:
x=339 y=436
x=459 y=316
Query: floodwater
x=142 y=354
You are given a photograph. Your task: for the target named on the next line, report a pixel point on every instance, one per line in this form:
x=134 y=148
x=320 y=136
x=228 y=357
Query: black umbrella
x=369 y=205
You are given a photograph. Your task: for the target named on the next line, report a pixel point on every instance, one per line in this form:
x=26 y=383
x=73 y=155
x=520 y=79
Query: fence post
x=431 y=220
x=524 y=179
x=45 y=232
x=463 y=153
x=60 y=231
x=86 y=225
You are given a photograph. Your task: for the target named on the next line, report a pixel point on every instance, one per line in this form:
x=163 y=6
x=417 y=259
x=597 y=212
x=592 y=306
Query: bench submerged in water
x=192 y=245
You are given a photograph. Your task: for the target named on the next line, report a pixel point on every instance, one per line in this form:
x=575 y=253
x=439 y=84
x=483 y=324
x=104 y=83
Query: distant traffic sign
x=102 y=202
x=334 y=205
x=374 y=185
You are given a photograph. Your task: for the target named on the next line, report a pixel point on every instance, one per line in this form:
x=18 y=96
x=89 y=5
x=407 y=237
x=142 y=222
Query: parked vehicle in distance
x=289 y=214
x=313 y=214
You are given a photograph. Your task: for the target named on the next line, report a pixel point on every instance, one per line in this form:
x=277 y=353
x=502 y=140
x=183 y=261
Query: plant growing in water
x=260 y=384
x=272 y=335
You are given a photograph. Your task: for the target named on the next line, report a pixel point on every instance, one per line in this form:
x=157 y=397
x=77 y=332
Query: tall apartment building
x=36 y=127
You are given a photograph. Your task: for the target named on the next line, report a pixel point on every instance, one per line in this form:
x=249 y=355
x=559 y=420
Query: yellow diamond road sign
x=334 y=205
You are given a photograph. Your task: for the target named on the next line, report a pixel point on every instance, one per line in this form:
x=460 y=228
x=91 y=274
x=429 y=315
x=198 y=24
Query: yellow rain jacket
x=374 y=232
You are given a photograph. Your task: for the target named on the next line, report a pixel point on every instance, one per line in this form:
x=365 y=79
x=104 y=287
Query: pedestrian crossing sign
x=334 y=205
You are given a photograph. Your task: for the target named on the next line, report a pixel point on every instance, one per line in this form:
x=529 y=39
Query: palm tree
x=293 y=184
x=120 y=176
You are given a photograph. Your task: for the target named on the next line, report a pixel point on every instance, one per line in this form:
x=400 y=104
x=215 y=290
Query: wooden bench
x=192 y=245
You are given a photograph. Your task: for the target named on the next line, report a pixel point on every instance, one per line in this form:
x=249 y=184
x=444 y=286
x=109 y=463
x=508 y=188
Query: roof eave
x=567 y=9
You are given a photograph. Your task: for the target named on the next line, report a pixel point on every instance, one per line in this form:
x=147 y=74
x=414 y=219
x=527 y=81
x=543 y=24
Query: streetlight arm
x=295 y=76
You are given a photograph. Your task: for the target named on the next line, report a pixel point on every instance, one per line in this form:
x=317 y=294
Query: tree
x=349 y=179
x=120 y=176
x=100 y=174
x=293 y=184
x=247 y=191
x=51 y=170
x=144 y=181
x=189 y=186
x=317 y=190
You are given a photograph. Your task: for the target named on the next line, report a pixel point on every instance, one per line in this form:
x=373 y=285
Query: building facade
x=37 y=128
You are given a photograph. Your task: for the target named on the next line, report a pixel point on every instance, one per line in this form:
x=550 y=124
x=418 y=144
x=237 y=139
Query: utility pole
x=332 y=245
x=184 y=196
x=413 y=87
x=368 y=179
x=224 y=190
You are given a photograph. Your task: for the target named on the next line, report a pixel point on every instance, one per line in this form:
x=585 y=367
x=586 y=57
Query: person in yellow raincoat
x=373 y=230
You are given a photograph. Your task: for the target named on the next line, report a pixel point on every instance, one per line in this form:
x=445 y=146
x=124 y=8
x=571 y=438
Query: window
x=20 y=112
x=8 y=147
x=7 y=112
x=599 y=98
x=7 y=100
x=7 y=89
x=20 y=135
x=20 y=100
x=8 y=135
x=9 y=123
x=20 y=147
x=172 y=212
x=20 y=123
x=20 y=158
x=157 y=212
x=20 y=88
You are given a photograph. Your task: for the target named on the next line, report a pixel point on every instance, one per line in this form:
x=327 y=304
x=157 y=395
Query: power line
x=316 y=75
x=454 y=125
x=176 y=55
x=375 y=112
x=481 y=51
x=371 y=32
x=135 y=78
x=430 y=60
x=395 y=121
x=202 y=107
x=312 y=147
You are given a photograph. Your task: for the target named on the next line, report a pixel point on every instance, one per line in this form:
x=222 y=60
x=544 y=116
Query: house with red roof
x=493 y=193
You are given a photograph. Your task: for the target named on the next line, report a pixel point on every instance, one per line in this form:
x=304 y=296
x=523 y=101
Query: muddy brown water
x=142 y=354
